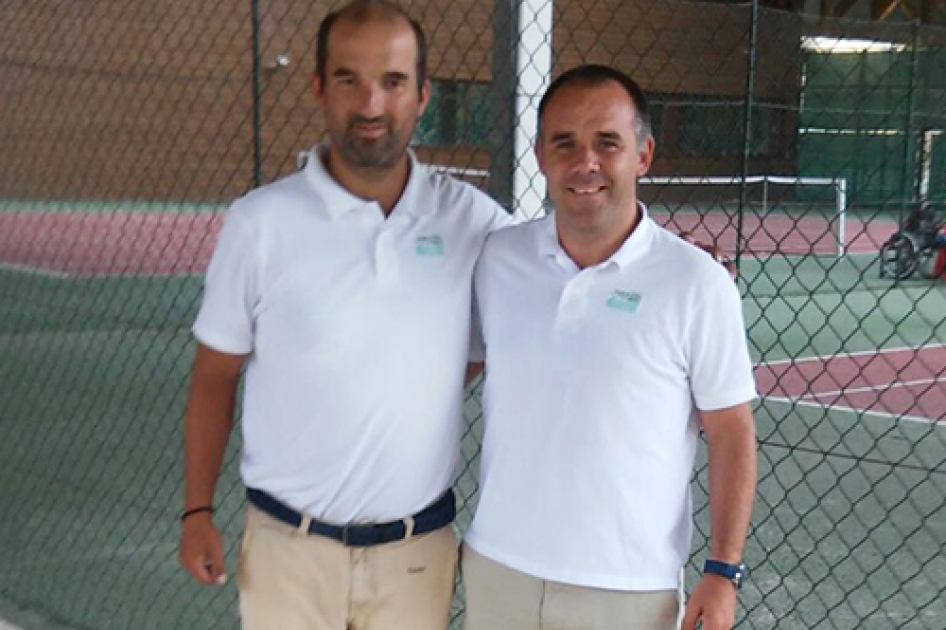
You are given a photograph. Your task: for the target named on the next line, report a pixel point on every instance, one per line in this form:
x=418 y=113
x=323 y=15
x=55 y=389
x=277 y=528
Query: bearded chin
x=381 y=154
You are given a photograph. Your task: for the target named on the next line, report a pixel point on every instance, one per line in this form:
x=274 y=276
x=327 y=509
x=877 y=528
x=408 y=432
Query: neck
x=385 y=186
x=592 y=246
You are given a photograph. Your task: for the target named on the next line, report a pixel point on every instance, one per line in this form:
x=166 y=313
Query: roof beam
x=883 y=8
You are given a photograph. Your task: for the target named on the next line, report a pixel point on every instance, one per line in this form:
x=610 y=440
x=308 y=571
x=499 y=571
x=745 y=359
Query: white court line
x=869 y=388
x=846 y=355
x=34 y=271
x=857 y=412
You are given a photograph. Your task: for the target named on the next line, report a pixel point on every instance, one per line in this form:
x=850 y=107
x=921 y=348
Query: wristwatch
x=735 y=573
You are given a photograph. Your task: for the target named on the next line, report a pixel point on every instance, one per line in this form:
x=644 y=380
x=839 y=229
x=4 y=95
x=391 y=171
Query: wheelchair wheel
x=898 y=258
x=930 y=262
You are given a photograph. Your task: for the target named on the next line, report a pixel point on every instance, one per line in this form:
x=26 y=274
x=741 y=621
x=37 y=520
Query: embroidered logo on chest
x=430 y=245
x=626 y=301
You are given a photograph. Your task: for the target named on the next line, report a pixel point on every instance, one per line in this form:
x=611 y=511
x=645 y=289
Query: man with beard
x=609 y=344
x=345 y=292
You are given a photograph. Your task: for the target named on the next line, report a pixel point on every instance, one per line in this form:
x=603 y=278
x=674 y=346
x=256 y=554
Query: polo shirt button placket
x=573 y=305
x=386 y=262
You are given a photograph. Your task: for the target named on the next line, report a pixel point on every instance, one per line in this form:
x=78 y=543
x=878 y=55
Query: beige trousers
x=289 y=580
x=500 y=598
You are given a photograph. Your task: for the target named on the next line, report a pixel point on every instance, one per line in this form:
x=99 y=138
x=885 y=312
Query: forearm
x=207 y=425
x=732 y=484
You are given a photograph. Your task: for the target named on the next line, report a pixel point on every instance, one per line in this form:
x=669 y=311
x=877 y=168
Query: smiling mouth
x=583 y=192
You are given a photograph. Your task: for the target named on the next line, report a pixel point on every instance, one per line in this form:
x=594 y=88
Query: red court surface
x=108 y=243
x=903 y=383
x=781 y=234
x=180 y=243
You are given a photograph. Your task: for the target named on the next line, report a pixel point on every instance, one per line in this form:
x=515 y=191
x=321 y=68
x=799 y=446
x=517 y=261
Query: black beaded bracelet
x=196 y=510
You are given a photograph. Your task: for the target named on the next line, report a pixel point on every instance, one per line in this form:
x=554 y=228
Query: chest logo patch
x=430 y=245
x=626 y=301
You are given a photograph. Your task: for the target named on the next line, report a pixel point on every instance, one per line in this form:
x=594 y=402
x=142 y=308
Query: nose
x=586 y=160
x=371 y=101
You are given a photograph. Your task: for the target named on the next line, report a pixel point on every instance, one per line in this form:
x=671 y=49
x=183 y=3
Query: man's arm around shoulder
x=207 y=424
x=730 y=435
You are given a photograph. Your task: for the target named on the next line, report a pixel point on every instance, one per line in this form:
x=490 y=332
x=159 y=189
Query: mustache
x=362 y=120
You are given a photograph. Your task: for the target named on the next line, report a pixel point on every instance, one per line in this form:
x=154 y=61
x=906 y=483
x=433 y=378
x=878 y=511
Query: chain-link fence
x=798 y=144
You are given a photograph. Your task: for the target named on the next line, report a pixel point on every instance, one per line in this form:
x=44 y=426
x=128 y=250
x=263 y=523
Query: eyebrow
x=343 y=72
x=610 y=135
x=396 y=75
x=561 y=135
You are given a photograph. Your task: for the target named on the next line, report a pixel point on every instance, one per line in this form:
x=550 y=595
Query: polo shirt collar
x=633 y=248
x=339 y=201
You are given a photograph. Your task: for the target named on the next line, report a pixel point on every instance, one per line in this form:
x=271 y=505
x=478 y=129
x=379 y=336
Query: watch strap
x=735 y=573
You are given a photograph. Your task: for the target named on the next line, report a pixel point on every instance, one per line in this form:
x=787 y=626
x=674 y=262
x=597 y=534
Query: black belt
x=438 y=514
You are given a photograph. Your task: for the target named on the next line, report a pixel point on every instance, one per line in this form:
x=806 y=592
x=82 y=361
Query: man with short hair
x=609 y=343
x=345 y=292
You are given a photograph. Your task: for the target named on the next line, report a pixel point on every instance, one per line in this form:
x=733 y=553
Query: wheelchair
x=918 y=246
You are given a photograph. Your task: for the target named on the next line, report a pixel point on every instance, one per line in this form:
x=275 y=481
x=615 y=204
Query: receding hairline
x=362 y=13
x=585 y=83
x=591 y=83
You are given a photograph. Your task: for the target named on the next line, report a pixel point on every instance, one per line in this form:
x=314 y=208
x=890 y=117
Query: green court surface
x=848 y=527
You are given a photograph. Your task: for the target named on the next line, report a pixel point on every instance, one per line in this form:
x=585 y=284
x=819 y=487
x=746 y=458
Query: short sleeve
x=720 y=367
x=500 y=217
x=225 y=319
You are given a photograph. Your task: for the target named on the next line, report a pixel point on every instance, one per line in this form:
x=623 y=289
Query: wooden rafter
x=883 y=8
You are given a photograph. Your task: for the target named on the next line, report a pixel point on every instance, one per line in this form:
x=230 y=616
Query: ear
x=538 y=149
x=646 y=156
x=424 y=97
x=316 y=86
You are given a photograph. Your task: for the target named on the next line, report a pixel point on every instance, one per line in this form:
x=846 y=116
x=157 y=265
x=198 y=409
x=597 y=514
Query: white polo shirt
x=592 y=378
x=357 y=330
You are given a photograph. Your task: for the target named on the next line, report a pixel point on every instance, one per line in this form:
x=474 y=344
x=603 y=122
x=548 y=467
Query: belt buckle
x=345 y=535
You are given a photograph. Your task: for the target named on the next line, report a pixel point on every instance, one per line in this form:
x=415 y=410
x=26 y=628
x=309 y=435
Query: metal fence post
x=747 y=124
x=905 y=169
x=257 y=105
x=502 y=159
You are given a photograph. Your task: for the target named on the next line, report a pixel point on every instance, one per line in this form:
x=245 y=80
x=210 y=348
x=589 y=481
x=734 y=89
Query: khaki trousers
x=289 y=580
x=500 y=598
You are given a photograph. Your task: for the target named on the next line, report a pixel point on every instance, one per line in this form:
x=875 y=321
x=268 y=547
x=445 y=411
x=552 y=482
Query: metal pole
x=842 y=216
x=747 y=124
x=908 y=125
x=533 y=75
x=257 y=102
x=503 y=87
x=860 y=96
x=765 y=195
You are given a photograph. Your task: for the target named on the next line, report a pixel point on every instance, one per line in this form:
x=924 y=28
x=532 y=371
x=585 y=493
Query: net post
x=765 y=195
x=841 y=197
